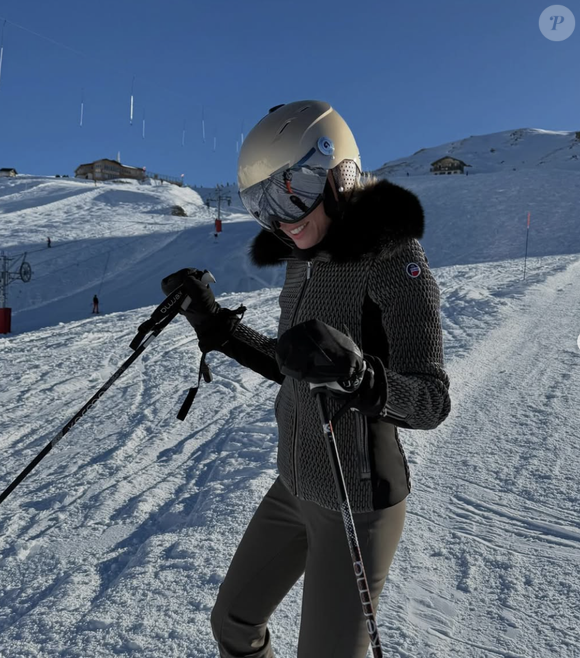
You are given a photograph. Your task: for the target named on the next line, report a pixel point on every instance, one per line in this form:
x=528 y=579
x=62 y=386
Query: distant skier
x=299 y=176
x=95 y=304
x=48 y=243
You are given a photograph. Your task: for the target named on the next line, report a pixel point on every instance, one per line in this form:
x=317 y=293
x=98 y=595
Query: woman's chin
x=305 y=244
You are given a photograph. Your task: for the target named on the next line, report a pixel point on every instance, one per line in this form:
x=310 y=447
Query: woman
x=354 y=264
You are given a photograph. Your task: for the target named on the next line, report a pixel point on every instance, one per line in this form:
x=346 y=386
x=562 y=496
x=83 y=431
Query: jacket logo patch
x=413 y=270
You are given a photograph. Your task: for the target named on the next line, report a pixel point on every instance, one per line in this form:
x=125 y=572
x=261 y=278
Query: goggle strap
x=305 y=158
x=332 y=207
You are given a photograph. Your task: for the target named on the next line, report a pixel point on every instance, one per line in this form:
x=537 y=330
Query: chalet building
x=448 y=165
x=8 y=172
x=108 y=170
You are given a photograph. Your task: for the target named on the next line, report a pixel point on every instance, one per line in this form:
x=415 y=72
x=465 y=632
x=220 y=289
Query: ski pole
x=151 y=328
x=353 y=544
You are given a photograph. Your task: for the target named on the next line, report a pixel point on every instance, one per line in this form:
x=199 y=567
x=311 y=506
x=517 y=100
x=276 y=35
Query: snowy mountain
x=509 y=150
x=117 y=542
x=116 y=240
x=119 y=239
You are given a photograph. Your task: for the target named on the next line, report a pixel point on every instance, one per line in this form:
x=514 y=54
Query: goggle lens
x=286 y=196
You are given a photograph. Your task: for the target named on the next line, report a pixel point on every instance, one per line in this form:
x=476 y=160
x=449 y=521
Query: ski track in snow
x=117 y=542
x=492 y=544
x=146 y=475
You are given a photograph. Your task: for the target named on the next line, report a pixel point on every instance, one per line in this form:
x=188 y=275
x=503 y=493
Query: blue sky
x=404 y=75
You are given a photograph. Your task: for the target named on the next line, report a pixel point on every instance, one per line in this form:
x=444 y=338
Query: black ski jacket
x=368 y=276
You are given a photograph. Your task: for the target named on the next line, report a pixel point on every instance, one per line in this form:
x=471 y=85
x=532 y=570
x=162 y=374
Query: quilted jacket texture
x=368 y=277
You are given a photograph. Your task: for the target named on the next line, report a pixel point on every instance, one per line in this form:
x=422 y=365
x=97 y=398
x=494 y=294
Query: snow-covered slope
x=509 y=150
x=118 y=239
x=66 y=209
x=117 y=543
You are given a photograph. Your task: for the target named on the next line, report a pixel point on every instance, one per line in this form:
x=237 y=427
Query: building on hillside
x=8 y=172
x=108 y=170
x=448 y=165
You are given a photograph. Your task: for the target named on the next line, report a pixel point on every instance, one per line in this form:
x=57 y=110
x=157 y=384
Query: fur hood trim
x=377 y=215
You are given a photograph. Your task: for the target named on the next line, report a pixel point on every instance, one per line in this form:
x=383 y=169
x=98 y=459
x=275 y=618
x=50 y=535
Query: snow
x=117 y=542
x=523 y=149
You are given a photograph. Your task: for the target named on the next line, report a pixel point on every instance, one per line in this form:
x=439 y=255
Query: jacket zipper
x=364 y=447
x=295 y=384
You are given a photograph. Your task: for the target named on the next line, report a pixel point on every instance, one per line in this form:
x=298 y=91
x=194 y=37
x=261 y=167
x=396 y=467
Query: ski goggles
x=286 y=196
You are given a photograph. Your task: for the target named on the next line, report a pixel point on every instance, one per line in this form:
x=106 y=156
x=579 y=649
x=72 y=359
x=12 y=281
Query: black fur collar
x=379 y=214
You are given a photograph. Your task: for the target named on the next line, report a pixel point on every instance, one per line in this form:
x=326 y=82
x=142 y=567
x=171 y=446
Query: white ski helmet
x=290 y=142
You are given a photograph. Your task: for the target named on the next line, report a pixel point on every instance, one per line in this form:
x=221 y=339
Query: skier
x=353 y=262
x=95 y=304
x=48 y=243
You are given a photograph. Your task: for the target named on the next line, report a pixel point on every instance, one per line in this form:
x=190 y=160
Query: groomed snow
x=117 y=542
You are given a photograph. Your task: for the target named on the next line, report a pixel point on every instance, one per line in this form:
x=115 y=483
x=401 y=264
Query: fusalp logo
x=557 y=23
x=413 y=270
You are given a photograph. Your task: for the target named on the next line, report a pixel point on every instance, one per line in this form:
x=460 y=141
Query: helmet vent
x=304 y=109
x=284 y=127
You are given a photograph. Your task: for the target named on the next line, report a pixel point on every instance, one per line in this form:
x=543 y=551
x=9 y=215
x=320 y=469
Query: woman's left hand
x=332 y=364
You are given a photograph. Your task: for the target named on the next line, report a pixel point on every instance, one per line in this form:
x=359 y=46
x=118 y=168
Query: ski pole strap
x=204 y=372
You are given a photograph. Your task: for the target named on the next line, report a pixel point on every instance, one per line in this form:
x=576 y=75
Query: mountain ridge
x=522 y=148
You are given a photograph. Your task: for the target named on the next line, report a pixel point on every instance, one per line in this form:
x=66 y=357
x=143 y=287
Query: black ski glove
x=212 y=323
x=203 y=303
x=333 y=364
